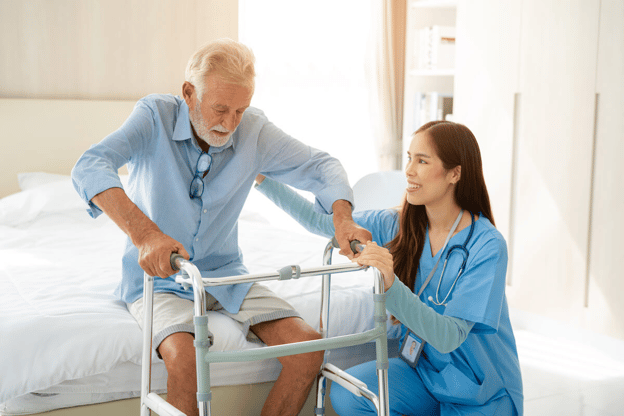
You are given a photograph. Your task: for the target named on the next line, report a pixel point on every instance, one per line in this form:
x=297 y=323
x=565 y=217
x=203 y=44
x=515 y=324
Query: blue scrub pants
x=408 y=395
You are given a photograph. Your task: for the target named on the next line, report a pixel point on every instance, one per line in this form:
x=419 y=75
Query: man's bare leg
x=296 y=379
x=178 y=352
x=289 y=392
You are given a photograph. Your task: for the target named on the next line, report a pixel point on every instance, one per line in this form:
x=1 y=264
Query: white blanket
x=59 y=321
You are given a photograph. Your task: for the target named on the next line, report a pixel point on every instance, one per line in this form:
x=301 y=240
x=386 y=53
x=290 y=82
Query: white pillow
x=29 y=180
x=43 y=193
x=25 y=206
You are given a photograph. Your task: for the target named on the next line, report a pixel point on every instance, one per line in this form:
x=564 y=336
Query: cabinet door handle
x=591 y=201
x=515 y=137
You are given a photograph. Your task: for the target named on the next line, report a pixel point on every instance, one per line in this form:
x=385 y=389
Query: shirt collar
x=183 y=130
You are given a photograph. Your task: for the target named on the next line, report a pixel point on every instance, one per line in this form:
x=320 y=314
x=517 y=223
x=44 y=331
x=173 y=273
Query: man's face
x=220 y=111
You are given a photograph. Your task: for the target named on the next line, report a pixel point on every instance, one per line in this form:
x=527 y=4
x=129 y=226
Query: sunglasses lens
x=203 y=164
x=197 y=187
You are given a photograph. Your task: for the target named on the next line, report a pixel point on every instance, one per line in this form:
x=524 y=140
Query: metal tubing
x=378 y=334
x=202 y=334
x=202 y=344
x=324 y=326
x=250 y=278
x=146 y=361
x=293 y=349
x=381 y=345
x=325 y=292
x=160 y=406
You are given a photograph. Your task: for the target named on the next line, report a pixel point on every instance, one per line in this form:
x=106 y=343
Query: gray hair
x=230 y=59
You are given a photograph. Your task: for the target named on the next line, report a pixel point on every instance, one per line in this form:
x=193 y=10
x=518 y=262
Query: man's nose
x=230 y=121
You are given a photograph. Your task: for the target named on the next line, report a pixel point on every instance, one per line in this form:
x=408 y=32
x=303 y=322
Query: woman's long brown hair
x=455 y=145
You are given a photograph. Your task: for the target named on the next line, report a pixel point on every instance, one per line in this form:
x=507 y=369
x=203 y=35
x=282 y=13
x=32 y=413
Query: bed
x=67 y=342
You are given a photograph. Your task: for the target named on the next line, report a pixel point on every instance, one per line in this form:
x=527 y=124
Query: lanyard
x=448 y=237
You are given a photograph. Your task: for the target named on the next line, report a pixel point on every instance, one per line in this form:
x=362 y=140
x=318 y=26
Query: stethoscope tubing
x=465 y=253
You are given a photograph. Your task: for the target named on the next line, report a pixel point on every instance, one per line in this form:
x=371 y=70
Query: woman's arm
x=444 y=333
x=299 y=208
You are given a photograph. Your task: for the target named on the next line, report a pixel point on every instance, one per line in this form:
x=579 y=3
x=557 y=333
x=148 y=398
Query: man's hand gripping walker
x=191 y=276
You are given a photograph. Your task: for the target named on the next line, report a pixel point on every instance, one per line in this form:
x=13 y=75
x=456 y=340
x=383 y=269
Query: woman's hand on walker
x=379 y=258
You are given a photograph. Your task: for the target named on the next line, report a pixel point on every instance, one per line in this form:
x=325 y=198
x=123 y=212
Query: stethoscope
x=461 y=249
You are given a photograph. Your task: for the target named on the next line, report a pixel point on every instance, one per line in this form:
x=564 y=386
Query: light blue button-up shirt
x=156 y=142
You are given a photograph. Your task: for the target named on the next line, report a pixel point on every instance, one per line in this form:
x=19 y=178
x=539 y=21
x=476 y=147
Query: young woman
x=444 y=265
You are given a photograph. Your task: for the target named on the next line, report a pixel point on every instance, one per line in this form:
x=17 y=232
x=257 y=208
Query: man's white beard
x=205 y=133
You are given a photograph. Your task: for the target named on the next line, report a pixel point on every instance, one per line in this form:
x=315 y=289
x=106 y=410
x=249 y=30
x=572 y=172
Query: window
x=311 y=62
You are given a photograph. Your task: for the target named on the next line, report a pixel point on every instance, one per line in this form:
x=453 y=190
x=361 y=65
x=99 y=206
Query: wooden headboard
x=50 y=135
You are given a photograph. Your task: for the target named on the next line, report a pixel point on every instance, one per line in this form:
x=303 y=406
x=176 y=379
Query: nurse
x=444 y=265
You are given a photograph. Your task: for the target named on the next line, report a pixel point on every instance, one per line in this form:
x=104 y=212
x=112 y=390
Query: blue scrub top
x=485 y=366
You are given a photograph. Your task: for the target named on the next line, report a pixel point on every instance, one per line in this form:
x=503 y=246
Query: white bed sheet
x=63 y=332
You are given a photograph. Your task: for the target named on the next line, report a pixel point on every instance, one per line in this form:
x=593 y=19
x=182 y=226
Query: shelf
x=432 y=72
x=433 y=3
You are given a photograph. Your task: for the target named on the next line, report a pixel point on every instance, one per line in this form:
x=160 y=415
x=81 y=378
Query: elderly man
x=192 y=162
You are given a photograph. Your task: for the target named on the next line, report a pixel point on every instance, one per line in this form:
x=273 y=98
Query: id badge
x=411 y=349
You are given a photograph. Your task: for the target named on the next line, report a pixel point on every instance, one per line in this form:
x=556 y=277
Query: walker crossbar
x=294 y=348
x=192 y=277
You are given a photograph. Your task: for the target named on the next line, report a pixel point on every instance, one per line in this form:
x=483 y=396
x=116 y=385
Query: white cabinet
x=553 y=157
x=429 y=69
x=526 y=81
x=606 y=282
x=486 y=83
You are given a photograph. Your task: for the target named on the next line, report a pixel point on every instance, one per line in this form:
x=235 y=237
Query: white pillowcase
x=29 y=180
x=42 y=193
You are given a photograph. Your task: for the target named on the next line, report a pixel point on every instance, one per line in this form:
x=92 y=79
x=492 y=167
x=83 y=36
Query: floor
x=564 y=378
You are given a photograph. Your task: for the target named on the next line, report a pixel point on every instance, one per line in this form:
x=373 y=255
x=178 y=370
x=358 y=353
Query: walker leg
x=321 y=385
x=381 y=345
x=203 y=341
x=146 y=362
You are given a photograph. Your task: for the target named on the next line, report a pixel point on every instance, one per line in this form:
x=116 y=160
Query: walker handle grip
x=174 y=260
x=354 y=244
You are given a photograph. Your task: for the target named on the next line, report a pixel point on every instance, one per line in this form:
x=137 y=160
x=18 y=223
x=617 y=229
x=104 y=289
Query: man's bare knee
x=178 y=353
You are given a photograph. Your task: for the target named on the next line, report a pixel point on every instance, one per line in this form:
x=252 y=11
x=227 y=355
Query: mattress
x=65 y=339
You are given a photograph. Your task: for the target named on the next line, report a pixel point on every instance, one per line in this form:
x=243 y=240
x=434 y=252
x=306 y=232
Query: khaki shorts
x=173 y=314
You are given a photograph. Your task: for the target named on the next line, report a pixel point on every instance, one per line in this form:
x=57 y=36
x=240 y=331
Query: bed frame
x=227 y=400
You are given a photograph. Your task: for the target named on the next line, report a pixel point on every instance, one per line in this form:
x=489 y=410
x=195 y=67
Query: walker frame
x=191 y=277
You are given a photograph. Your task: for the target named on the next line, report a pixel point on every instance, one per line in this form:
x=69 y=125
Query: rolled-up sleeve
x=96 y=170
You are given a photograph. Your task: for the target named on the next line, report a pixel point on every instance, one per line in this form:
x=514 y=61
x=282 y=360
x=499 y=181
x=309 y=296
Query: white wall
x=104 y=49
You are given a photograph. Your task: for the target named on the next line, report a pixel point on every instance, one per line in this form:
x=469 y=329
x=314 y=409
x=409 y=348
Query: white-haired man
x=192 y=162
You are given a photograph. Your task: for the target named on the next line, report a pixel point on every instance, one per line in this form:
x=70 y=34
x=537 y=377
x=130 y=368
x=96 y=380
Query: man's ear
x=188 y=92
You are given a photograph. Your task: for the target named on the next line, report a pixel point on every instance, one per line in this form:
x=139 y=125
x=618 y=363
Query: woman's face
x=428 y=182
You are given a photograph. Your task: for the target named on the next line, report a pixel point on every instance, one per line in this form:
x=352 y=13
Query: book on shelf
x=435 y=48
x=431 y=106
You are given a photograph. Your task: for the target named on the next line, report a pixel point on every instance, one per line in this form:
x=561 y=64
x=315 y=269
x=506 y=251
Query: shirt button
x=205 y=211
x=197 y=239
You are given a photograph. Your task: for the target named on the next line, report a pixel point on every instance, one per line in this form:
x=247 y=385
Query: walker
x=191 y=276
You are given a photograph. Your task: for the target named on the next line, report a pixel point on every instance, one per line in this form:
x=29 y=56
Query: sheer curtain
x=387 y=79
x=312 y=79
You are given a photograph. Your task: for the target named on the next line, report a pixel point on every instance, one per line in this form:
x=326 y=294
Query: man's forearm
x=116 y=204
x=342 y=212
